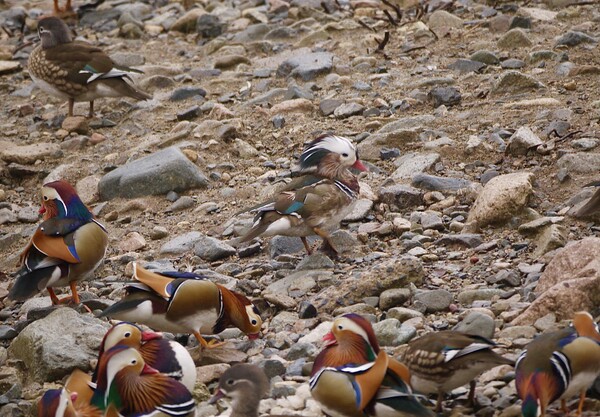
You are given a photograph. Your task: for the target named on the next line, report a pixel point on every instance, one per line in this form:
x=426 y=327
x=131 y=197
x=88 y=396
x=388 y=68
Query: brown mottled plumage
x=246 y=385
x=76 y=71
x=442 y=361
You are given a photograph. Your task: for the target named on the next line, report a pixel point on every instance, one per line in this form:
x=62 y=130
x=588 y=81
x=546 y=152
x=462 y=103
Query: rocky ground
x=479 y=123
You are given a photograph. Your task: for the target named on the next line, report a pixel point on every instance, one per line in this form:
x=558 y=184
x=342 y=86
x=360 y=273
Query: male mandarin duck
x=442 y=361
x=181 y=302
x=353 y=377
x=67 y=246
x=559 y=365
x=134 y=388
x=76 y=71
x=61 y=403
x=316 y=202
x=245 y=385
x=166 y=356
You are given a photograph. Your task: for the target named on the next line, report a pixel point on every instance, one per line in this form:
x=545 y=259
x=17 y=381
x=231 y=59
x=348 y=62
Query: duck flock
x=141 y=373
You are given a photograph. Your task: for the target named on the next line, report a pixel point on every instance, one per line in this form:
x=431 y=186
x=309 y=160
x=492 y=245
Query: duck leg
x=581 y=401
x=207 y=345
x=91 y=113
x=306 y=245
x=71 y=104
x=440 y=401
x=471 y=400
x=56 y=8
x=68 y=7
x=563 y=407
x=53 y=296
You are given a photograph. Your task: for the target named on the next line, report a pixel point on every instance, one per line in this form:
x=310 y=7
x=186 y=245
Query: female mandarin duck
x=559 y=365
x=134 y=388
x=66 y=247
x=316 y=202
x=442 y=361
x=166 y=356
x=353 y=377
x=185 y=303
x=76 y=71
x=245 y=385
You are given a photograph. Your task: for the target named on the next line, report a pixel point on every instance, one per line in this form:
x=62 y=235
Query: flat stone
x=7 y=67
x=390 y=332
x=435 y=183
x=298 y=283
x=477 y=323
x=465 y=66
x=522 y=141
x=212 y=249
x=514 y=39
x=401 y=197
x=579 y=162
x=516 y=332
x=512 y=64
x=347 y=110
x=467 y=297
x=28 y=154
x=442 y=20
x=164 y=171
x=181 y=244
x=307 y=66
x=485 y=57
x=552 y=237
x=574 y=38
x=435 y=300
x=329 y=105
x=515 y=82
x=402 y=313
x=360 y=210
x=414 y=163
x=447 y=96
x=431 y=220
x=394 y=297
x=469 y=240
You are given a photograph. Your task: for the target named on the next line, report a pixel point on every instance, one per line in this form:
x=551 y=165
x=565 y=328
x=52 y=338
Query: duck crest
x=70 y=205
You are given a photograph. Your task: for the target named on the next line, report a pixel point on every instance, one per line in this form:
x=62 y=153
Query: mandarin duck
x=134 y=388
x=245 y=385
x=558 y=365
x=67 y=246
x=76 y=71
x=352 y=376
x=442 y=361
x=316 y=202
x=166 y=356
x=61 y=403
x=181 y=302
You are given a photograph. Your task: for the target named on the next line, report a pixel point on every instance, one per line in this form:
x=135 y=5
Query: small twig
x=434 y=34
x=386 y=38
x=7 y=31
x=395 y=7
x=414 y=48
x=390 y=18
x=568 y=135
x=363 y=24
x=23 y=45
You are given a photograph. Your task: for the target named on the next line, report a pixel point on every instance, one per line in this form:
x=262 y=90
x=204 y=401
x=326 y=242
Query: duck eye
x=127 y=334
x=45 y=198
x=229 y=382
x=340 y=327
x=133 y=361
x=254 y=322
x=345 y=155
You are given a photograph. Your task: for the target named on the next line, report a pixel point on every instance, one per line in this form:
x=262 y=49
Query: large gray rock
x=515 y=82
x=501 y=198
x=401 y=197
x=52 y=347
x=412 y=164
x=159 y=173
x=522 y=141
x=477 y=323
x=307 y=66
x=212 y=249
x=181 y=244
x=435 y=183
